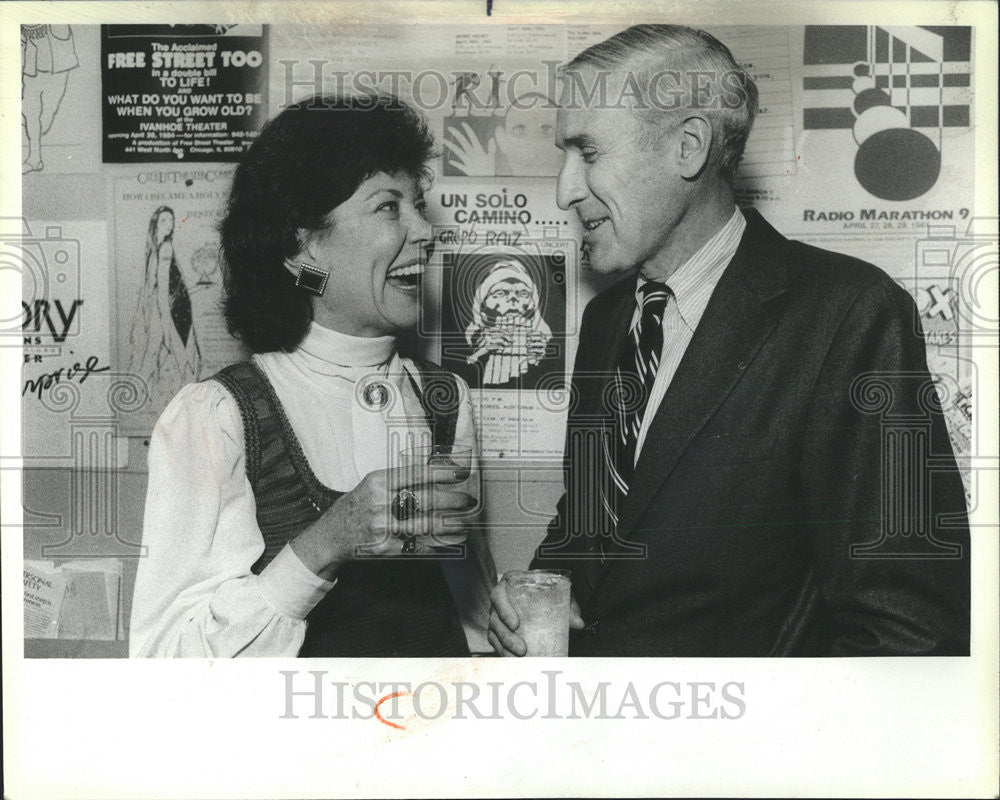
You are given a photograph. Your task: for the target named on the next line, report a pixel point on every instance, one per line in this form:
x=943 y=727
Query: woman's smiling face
x=375 y=247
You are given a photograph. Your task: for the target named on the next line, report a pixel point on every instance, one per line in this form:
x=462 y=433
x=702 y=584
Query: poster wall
x=507 y=285
x=863 y=144
x=866 y=144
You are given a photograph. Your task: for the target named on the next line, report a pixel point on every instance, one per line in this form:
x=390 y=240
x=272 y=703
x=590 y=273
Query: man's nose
x=570 y=186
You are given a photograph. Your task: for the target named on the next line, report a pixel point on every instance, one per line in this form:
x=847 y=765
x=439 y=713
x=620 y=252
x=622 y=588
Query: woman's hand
x=362 y=522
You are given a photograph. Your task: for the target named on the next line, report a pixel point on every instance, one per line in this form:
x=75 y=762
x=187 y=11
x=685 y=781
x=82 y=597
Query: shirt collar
x=694 y=281
x=324 y=346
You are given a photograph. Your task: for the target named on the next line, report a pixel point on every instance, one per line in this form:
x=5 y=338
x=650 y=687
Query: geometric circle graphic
x=869 y=98
x=897 y=164
x=878 y=118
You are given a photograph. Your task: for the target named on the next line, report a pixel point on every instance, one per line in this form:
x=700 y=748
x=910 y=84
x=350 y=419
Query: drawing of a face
x=507 y=333
x=527 y=137
x=509 y=297
x=205 y=263
x=164 y=225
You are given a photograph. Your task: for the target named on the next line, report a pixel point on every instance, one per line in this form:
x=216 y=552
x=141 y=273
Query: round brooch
x=375 y=395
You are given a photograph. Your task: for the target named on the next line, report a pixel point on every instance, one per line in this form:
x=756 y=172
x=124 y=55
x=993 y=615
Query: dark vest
x=394 y=607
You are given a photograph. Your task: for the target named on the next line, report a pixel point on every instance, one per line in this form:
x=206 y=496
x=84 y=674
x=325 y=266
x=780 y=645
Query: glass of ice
x=541 y=598
x=450 y=463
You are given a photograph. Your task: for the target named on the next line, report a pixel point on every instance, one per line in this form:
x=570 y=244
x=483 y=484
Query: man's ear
x=695 y=145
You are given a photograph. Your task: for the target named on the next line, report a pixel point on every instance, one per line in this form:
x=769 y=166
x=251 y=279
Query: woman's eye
x=588 y=155
x=389 y=205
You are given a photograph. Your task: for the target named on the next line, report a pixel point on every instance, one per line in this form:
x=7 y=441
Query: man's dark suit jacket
x=796 y=493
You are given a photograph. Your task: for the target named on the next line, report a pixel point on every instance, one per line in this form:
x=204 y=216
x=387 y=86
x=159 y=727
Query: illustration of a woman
x=163 y=342
x=507 y=325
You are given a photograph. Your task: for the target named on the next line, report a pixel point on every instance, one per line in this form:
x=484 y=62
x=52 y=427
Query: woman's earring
x=312 y=279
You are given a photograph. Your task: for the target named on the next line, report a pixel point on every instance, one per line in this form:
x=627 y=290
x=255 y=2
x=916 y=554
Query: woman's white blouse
x=195 y=594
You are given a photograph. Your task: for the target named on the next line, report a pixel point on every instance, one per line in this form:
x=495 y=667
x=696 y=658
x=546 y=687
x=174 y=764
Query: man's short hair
x=672 y=68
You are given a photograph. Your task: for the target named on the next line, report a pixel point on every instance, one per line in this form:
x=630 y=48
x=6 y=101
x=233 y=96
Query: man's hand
x=504 y=622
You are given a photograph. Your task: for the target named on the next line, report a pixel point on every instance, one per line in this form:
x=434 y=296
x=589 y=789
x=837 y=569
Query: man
x=756 y=465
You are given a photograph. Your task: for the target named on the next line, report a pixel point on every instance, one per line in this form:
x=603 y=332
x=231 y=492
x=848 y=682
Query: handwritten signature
x=77 y=373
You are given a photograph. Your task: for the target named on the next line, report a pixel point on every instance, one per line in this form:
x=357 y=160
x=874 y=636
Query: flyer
x=168 y=284
x=508 y=303
x=182 y=92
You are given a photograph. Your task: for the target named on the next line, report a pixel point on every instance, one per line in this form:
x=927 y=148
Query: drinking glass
x=541 y=598
x=446 y=461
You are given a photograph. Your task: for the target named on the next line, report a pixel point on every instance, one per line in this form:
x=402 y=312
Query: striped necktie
x=634 y=381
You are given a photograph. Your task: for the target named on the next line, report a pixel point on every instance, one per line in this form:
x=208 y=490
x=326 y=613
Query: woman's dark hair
x=307 y=160
x=152 y=245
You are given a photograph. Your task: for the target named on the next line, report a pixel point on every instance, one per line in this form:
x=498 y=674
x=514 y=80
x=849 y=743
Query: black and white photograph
x=473 y=398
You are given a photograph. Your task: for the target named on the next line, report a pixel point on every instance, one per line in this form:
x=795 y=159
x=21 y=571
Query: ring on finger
x=404 y=504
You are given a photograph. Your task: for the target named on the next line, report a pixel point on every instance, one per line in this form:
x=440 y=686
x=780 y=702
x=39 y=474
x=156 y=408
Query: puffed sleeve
x=472 y=579
x=195 y=594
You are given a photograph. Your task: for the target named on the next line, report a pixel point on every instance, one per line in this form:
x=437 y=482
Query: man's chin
x=603 y=263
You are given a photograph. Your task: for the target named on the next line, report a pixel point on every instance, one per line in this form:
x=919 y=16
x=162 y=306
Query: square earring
x=312 y=279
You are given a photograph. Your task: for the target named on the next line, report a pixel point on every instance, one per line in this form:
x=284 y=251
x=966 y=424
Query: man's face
x=630 y=199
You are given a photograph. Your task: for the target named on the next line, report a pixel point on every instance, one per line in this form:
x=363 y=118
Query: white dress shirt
x=195 y=594
x=691 y=287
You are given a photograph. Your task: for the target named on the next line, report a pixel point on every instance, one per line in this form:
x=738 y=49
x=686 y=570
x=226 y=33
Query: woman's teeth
x=408 y=276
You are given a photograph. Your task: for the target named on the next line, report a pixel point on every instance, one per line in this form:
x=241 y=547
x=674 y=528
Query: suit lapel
x=593 y=378
x=614 y=334
x=736 y=323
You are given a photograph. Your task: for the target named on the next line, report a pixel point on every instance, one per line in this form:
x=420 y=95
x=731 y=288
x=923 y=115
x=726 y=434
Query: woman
x=275 y=523
x=163 y=342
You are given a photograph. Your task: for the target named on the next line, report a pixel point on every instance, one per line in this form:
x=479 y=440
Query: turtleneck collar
x=340 y=349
